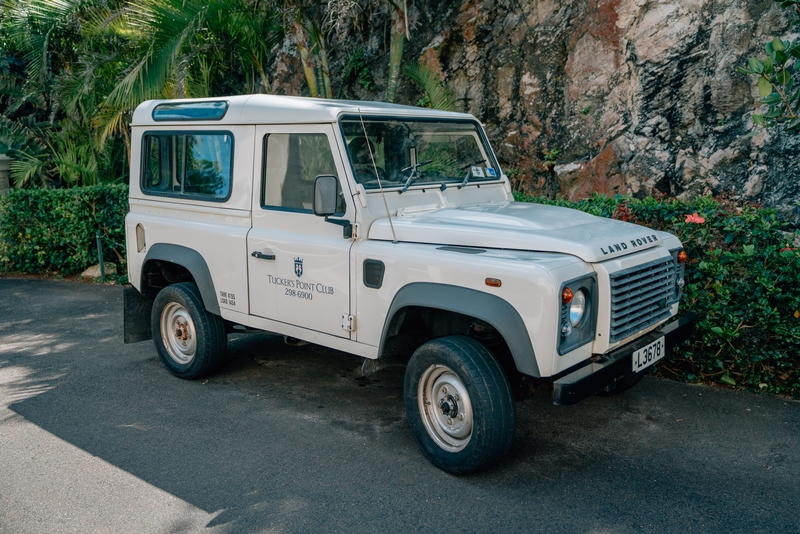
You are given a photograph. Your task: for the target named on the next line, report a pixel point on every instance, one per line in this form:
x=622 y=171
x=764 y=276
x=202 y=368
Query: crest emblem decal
x=298 y=267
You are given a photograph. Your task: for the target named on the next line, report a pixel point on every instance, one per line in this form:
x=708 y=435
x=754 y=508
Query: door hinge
x=355 y=235
x=348 y=322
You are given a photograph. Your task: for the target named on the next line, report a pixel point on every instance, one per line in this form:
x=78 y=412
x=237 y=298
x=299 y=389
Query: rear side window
x=191 y=165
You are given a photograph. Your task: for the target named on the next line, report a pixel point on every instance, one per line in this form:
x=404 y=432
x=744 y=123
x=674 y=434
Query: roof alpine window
x=190 y=111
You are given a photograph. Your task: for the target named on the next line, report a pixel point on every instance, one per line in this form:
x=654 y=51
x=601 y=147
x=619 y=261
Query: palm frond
x=109 y=121
x=31 y=25
x=166 y=25
x=24 y=134
x=28 y=169
x=438 y=94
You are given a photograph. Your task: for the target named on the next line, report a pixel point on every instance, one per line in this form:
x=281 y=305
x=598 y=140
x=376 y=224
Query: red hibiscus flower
x=695 y=218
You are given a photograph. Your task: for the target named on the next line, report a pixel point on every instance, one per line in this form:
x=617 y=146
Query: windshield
x=414 y=151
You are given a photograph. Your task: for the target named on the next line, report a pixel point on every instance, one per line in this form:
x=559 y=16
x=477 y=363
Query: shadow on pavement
x=293 y=438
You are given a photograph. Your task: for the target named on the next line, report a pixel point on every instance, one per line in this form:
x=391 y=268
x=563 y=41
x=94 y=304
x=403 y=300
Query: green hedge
x=743 y=280
x=742 y=277
x=54 y=229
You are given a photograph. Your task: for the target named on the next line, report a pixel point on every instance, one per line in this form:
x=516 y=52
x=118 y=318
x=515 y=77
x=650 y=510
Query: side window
x=192 y=165
x=291 y=164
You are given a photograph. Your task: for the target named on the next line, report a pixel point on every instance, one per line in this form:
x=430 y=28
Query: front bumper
x=605 y=371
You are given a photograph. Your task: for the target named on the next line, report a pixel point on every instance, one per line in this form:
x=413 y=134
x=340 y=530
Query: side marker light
x=493 y=282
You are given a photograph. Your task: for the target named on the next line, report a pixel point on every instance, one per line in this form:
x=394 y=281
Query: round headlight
x=577 y=308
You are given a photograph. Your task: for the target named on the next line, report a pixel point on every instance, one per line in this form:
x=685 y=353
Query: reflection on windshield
x=406 y=151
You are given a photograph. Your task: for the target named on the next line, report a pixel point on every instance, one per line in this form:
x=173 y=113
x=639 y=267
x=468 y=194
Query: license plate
x=647 y=356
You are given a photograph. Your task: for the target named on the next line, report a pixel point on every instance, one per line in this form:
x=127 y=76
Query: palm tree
x=311 y=23
x=45 y=103
x=399 y=11
x=184 y=48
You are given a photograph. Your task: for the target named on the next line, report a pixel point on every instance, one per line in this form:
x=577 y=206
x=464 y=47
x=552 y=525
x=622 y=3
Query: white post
x=5 y=163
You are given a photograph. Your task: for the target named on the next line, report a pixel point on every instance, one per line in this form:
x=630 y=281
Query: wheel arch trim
x=193 y=262
x=497 y=312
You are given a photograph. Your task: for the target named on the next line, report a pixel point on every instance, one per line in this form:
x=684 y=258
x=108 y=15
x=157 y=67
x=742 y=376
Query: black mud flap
x=137 y=315
x=603 y=372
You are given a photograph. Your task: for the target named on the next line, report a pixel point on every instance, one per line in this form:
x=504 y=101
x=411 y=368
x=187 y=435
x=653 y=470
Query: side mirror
x=326 y=187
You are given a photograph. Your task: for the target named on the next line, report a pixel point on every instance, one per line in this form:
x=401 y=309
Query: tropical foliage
x=437 y=94
x=72 y=71
x=778 y=78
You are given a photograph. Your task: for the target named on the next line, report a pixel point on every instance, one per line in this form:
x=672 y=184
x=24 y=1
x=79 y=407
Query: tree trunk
x=305 y=57
x=395 y=48
x=326 y=73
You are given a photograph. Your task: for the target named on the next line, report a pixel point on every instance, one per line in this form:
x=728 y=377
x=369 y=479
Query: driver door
x=298 y=264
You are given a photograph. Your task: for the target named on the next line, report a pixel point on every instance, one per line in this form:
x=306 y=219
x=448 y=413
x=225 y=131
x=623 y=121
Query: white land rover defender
x=386 y=231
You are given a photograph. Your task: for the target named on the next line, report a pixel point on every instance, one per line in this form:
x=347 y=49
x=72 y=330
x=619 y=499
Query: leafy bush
x=54 y=229
x=777 y=74
x=742 y=280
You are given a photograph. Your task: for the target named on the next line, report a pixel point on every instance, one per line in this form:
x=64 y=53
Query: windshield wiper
x=414 y=174
x=467 y=166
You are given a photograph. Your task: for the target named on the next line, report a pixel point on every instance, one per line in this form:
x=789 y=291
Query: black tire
x=190 y=341
x=623 y=384
x=462 y=378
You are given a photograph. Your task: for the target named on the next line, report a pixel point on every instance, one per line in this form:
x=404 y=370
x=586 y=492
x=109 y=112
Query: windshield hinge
x=348 y=322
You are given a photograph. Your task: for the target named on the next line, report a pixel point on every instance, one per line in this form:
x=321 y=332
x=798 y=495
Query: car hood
x=520 y=226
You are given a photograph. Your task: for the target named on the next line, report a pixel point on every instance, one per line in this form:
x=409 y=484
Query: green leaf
x=764 y=87
x=778 y=45
x=726 y=379
x=749 y=250
x=745 y=71
x=756 y=65
x=773 y=98
x=767 y=65
x=717 y=330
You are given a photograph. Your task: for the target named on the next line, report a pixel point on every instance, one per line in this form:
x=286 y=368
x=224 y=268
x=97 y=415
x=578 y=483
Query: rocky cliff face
x=609 y=96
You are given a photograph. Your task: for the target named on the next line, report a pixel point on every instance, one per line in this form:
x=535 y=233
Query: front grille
x=641 y=296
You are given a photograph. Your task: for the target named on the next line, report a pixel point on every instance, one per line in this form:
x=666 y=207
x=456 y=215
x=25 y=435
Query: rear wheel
x=190 y=341
x=459 y=404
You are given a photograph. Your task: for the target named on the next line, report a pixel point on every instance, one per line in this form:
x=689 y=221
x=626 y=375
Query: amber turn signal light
x=682 y=257
x=566 y=296
x=493 y=282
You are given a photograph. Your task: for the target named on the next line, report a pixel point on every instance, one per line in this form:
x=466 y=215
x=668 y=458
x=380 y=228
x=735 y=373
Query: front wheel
x=190 y=341
x=459 y=404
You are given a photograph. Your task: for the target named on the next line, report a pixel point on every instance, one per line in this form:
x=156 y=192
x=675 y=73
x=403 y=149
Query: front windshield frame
x=382 y=129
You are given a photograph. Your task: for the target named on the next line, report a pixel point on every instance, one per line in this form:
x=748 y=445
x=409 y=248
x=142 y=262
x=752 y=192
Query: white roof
x=276 y=109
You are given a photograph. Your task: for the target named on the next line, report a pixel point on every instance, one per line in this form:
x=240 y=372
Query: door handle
x=262 y=256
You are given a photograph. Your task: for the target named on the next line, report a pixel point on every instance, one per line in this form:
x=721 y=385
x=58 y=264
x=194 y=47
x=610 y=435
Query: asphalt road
x=96 y=436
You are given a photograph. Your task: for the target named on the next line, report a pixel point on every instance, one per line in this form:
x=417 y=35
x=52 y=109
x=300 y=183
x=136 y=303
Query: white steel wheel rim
x=178 y=333
x=445 y=408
